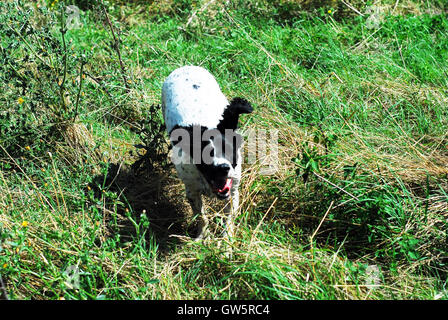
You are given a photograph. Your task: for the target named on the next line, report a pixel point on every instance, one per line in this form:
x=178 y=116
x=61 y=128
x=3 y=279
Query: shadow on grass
x=371 y=227
x=156 y=193
x=349 y=225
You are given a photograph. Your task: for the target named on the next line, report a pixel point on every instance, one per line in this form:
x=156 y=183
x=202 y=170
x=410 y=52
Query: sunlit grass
x=356 y=210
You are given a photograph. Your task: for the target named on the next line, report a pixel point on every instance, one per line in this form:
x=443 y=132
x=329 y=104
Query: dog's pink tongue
x=227 y=186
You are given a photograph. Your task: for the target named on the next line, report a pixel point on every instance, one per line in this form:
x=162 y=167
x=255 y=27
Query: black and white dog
x=206 y=147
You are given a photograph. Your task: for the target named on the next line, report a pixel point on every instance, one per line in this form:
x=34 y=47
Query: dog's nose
x=223 y=167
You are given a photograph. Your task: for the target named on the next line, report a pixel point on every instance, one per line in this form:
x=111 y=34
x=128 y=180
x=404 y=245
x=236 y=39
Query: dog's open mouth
x=222 y=189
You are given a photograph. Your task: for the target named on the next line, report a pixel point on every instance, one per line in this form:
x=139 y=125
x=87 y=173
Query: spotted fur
x=193 y=105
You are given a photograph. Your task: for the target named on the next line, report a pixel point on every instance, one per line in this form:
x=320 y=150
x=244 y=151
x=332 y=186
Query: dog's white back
x=194 y=98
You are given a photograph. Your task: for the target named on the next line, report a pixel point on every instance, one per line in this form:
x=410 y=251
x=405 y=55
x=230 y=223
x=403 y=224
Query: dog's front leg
x=231 y=210
x=195 y=200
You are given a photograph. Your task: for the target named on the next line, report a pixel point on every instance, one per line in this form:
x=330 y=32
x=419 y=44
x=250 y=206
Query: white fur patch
x=191 y=95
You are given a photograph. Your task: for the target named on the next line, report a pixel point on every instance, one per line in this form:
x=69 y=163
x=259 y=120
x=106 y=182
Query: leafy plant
x=40 y=91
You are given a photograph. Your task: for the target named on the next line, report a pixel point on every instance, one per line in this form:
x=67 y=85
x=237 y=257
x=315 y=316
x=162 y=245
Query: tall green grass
x=357 y=209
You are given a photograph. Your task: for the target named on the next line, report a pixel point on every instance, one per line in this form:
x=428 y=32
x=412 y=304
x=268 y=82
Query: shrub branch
x=116 y=46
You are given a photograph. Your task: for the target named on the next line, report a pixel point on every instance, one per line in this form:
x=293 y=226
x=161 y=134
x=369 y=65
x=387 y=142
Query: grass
x=356 y=210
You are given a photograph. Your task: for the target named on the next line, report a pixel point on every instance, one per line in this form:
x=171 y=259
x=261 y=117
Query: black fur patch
x=196 y=148
x=231 y=114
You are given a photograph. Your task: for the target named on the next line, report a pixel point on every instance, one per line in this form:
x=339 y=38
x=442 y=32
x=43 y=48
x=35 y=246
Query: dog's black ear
x=241 y=105
x=231 y=114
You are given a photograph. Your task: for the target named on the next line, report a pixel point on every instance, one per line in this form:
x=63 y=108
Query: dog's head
x=214 y=151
